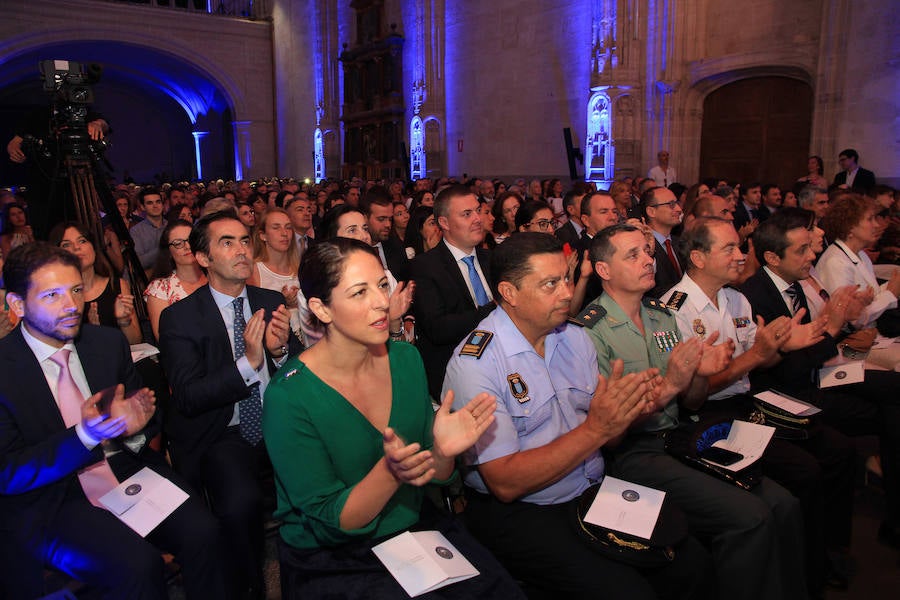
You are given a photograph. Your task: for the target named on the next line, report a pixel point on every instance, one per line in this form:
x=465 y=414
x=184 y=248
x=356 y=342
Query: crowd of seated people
x=297 y=320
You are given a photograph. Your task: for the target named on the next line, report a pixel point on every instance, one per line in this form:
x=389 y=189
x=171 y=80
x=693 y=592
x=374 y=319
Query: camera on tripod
x=70 y=84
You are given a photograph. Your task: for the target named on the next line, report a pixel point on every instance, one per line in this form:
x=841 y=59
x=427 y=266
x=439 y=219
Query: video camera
x=70 y=84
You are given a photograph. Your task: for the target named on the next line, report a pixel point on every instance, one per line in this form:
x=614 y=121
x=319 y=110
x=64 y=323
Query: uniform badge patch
x=591 y=315
x=477 y=342
x=655 y=305
x=699 y=327
x=518 y=387
x=665 y=340
x=741 y=322
x=676 y=301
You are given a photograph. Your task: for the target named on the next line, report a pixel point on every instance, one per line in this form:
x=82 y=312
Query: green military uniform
x=759 y=531
x=616 y=336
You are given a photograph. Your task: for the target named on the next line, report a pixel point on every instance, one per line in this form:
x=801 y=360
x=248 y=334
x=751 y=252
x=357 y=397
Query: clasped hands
x=272 y=335
x=126 y=415
x=453 y=432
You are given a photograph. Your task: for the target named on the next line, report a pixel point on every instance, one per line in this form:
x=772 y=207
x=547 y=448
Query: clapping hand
x=278 y=329
x=408 y=463
x=136 y=408
x=619 y=400
x=457 y=431
x=804 y=336
x=715 y=359
x=401 y=299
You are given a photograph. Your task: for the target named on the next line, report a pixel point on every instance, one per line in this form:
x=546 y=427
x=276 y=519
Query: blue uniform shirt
x=538 y=398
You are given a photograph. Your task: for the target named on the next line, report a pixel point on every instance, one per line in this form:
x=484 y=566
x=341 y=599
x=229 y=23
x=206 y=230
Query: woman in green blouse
x=353 y=438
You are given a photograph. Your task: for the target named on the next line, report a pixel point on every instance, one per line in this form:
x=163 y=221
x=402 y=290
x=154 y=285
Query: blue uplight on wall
x=600 y=155
x=319 y=160
x=417 y=167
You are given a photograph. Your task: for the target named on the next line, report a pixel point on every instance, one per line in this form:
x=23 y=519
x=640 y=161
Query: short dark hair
x=510 y=260
x=199 y=238
x=849 y=153
x=766 y=187
x=377 y=194
x=586 y=202
x=322 y=265
x=569 y=199
x=647 y=199
x=24 y=260
x=602 y=247
x=746 y=187
x=698 y=237
x=149 y=191
x=329 y=224
x=442 y=200
x=771 y=235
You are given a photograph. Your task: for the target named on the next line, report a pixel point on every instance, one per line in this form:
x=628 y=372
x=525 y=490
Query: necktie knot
x=794 y=292
x=61 y=358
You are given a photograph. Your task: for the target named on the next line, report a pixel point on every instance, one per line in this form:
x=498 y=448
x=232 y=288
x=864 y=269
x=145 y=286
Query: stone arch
x=705 y=77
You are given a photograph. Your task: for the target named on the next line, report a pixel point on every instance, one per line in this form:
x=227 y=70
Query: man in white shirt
x=662 y=173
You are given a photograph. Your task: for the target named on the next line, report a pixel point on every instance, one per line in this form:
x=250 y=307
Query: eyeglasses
x=542 y=224
x=179 y=244
x=669 y=204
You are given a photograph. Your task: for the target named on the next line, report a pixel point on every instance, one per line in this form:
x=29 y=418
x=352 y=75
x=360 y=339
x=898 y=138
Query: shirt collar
x=780 y=283
x=697 y=297
x=42 y=350
x=854 y=258
x=458 y=254
x=660 y=237
x=222 y=300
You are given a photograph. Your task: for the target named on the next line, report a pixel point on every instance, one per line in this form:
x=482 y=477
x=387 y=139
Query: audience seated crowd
x=344 y=348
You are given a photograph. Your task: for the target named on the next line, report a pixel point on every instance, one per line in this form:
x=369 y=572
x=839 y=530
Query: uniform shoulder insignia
x=477 y=342
x=676 y=301
x=655 y=305
x=590 y=316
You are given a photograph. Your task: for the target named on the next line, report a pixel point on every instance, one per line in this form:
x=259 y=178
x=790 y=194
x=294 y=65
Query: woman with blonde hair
x=277 y=259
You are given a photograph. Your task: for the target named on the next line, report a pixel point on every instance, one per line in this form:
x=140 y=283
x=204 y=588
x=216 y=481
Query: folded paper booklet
x=747 y=439
x=142 y=351
x=144 y=500
x=841 y=371
x=626 y=507
x=423 y=561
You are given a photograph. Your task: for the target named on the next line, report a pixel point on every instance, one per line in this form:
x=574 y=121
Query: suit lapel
x=208 y=314
x=454 y=273
x=24 y=367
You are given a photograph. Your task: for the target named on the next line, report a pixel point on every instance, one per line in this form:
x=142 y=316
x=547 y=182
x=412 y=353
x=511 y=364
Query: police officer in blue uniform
x=554 y=414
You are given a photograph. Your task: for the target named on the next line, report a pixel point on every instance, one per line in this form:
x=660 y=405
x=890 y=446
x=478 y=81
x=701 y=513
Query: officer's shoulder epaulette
x=655 y=305
x=676 y=301
x=476 y=343
x=590 y=316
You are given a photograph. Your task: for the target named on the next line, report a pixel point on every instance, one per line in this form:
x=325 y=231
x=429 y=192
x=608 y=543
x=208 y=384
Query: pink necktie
x=96 y=479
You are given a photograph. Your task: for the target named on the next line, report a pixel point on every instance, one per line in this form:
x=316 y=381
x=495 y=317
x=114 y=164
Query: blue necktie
x=481 y=297
x=250 y=408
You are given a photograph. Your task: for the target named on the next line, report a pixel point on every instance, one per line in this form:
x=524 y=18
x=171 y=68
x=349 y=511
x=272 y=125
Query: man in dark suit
x=747 y=208
x=452 y=291
x=782 y=246
x=771 y=201
x=570 y=233
x=852 y=175
x=662 y=213
x=376 y=205
x=219 y=347
x=59 y=454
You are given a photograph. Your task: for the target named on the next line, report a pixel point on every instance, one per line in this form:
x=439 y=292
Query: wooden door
x=757 y=129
